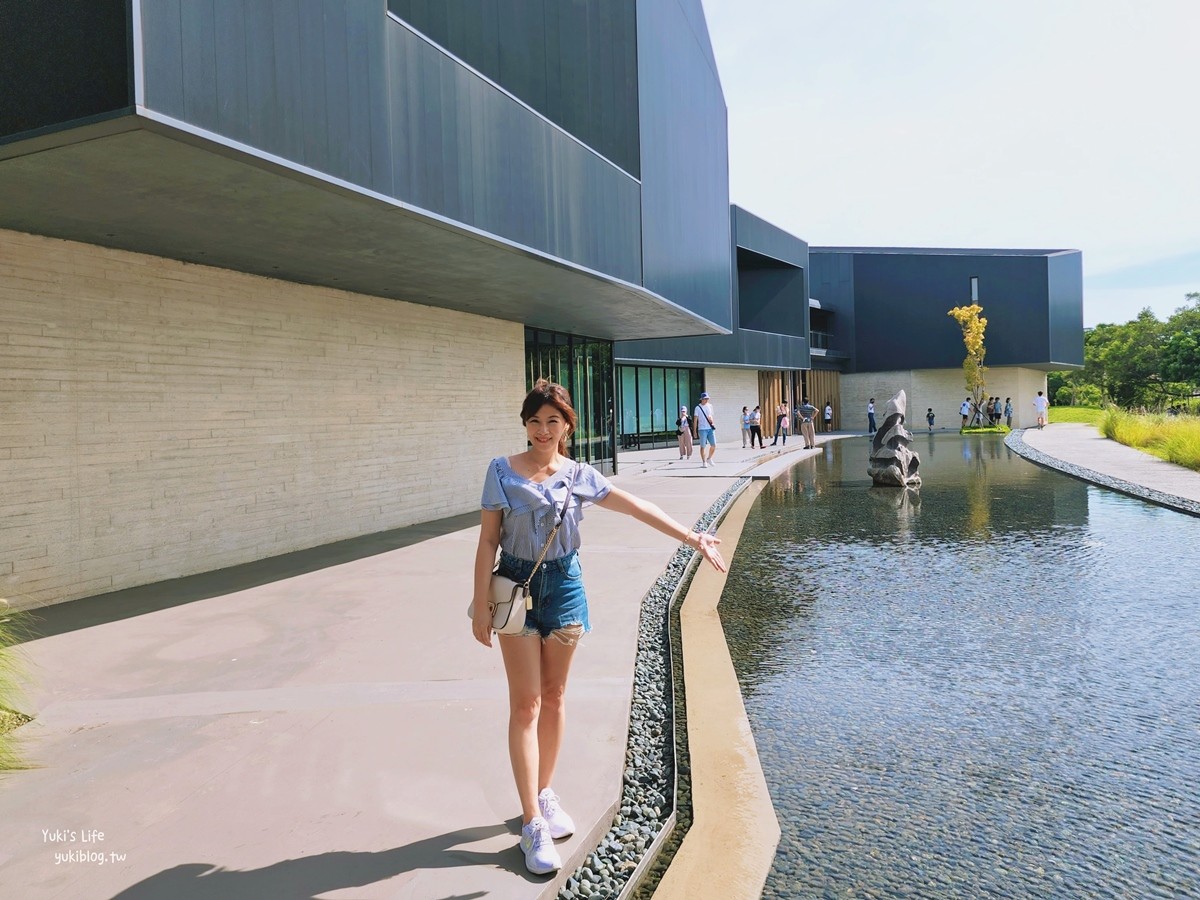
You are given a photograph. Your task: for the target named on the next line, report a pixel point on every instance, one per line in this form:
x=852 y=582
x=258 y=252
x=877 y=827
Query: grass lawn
x=1086 y=414
x=1173 y=438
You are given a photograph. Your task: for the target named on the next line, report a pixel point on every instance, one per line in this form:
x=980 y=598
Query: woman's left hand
x=708 y=548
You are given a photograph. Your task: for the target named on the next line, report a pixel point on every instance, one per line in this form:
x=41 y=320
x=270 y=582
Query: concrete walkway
x=1118 y=466
x=322 y=723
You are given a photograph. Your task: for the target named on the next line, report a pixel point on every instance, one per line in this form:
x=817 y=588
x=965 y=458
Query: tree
x=1180 y=352
x=1142 y=362
x=973 y=326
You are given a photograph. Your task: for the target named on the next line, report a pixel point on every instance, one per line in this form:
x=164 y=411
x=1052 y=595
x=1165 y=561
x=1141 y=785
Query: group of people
x=699 y=426
x=990 y=411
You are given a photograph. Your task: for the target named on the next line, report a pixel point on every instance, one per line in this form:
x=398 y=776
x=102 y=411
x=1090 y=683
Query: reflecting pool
x=991 y=689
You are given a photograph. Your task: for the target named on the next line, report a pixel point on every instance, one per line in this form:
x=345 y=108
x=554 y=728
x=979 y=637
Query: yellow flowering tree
x=972 y=325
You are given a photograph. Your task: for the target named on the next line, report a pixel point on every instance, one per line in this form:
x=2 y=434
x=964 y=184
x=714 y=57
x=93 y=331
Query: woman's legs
x=537 y=680
x=523 y=666
x=556 y=663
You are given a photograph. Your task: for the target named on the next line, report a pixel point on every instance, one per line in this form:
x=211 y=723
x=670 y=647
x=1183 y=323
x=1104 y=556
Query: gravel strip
x=1016 y=442
x=646 y=797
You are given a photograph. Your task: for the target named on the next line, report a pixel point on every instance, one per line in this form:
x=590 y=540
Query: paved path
x=1082 y=451
x=322 y=723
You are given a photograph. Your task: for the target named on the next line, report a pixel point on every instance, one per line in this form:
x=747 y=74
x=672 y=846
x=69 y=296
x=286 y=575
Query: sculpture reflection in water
x=892 y=463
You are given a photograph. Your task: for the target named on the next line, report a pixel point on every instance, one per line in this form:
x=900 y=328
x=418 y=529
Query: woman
x=756 y=427
x=1008 y=411
x=522 y=495
x=781 y=418
x=683 y=428
x=745 y=426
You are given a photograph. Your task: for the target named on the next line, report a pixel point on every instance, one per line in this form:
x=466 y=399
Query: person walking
x=965 y=410
x=781 y=415
x=1008 y=411
x=706 y=429
x=745 y=426
x=1040 y=406
x=829 y=415
x=756 y=427
x=532 y=505
x=808 y=432
x=929 y=418
x=683 y=428
x=871 y=429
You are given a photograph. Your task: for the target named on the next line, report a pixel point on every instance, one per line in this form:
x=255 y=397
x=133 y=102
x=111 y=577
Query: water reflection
x=985 y=688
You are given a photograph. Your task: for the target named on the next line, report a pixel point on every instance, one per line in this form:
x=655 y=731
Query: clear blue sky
x=966 y=123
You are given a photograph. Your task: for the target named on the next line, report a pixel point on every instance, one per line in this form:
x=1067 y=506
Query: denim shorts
x=708 y=436
x=557 y=591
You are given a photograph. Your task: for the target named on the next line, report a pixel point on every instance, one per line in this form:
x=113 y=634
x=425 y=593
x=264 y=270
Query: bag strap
x=553 y=532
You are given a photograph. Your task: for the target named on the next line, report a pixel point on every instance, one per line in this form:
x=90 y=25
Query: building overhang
x=140 y=183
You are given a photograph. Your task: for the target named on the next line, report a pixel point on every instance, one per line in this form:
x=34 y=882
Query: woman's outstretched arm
x=644 y=511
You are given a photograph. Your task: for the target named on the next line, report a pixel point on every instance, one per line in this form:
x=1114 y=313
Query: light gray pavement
x=322 y=724
x=1083 y=447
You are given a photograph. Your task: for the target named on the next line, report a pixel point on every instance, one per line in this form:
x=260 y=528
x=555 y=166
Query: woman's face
x=545 y=427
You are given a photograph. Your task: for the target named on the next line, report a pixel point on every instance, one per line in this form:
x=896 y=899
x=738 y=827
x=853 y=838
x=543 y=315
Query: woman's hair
x=547 y=392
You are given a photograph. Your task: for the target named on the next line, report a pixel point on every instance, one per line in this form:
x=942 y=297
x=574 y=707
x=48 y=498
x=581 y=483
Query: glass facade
x=584 y=366
x=650 y=397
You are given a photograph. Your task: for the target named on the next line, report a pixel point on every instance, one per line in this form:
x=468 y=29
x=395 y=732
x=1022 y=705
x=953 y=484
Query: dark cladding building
x=257 y=257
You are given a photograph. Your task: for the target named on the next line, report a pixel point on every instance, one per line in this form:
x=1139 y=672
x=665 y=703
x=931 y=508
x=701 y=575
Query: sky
x=1050 y=124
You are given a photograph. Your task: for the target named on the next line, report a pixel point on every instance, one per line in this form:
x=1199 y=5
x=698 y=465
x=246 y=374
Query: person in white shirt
x=871 y=429
x=1040 y=405
x=706 y=429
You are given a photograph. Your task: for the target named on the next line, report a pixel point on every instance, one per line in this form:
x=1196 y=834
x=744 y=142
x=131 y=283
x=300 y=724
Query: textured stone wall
x=943 y=389
x=159 y=419
x=731 y=389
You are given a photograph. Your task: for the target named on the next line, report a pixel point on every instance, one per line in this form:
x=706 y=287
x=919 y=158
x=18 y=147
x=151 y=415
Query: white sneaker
x=540 y=856
x=561 y=825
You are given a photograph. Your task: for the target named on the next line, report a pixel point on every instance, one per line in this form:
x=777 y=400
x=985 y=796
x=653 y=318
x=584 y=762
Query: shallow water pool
x=987 y=689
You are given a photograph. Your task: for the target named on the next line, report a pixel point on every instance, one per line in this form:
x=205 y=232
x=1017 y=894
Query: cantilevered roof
x=136 y=184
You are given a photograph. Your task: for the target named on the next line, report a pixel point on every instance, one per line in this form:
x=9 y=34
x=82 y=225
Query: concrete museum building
x=277 y=273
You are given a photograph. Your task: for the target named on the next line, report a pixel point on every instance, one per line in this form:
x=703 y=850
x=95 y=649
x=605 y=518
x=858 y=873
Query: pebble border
x=647 y=800
x=1016 y=443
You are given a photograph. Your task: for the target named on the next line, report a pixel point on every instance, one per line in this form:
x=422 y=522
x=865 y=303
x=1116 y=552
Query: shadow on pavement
x=310 y=876
x=73 y=615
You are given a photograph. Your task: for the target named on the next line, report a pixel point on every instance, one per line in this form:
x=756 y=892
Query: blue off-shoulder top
x=530 y=508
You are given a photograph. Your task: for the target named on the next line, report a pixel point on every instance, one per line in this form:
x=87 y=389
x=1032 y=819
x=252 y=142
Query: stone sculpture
x=892 y=463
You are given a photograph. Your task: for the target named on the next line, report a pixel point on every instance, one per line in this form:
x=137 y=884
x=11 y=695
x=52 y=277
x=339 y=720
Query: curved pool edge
x=1016 y=442
x=730 y=847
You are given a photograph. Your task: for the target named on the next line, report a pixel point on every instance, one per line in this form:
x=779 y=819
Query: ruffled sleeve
x=590 y=485
x=493 y=491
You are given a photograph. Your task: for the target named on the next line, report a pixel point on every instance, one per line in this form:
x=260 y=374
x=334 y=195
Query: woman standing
x=756 y=427
x=781 y=418
x=745 y=425
x=683 y=428
x=522 y=496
